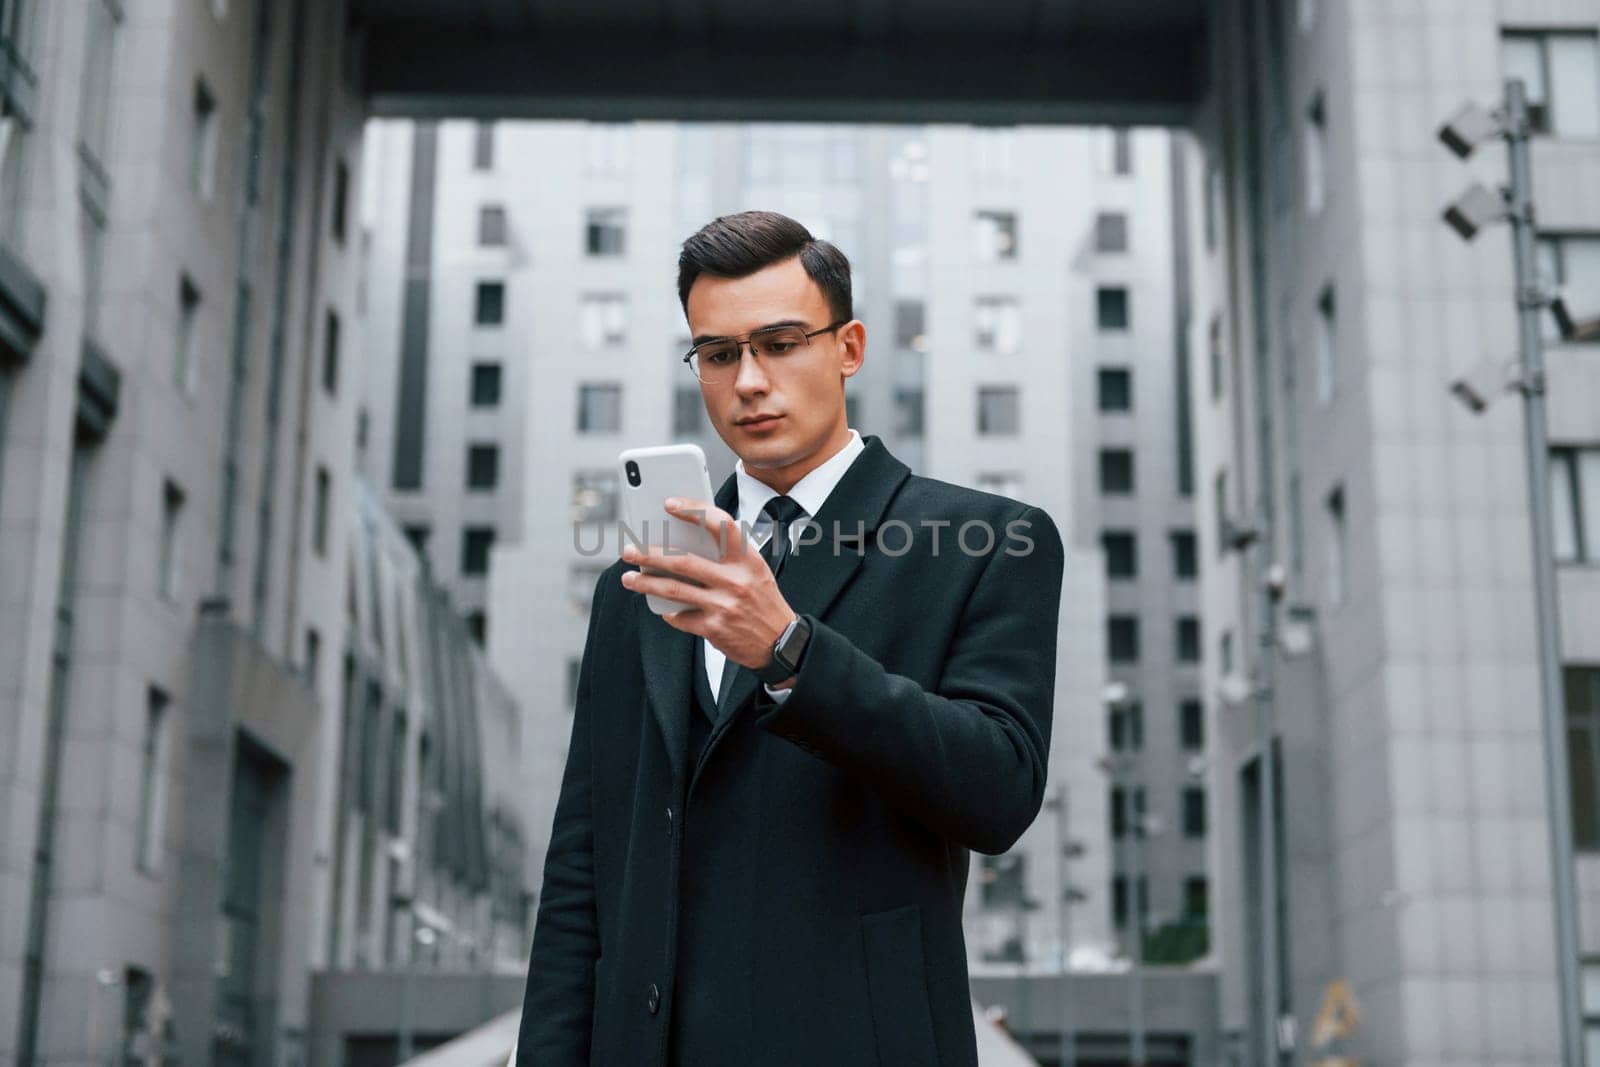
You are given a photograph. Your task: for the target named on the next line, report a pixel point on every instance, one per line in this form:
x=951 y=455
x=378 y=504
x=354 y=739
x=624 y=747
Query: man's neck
x=782 y=479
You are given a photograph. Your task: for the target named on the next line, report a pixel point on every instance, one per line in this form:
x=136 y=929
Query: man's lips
x=757 y=420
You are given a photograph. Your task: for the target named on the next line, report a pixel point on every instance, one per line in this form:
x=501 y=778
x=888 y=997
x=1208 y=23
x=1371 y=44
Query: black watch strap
x=787 y=651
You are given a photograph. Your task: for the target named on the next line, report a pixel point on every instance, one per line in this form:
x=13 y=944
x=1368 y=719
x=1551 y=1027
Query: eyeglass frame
x=742 y=342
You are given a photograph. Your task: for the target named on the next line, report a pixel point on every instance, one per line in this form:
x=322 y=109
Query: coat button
x=669 y=821
x=652 y=999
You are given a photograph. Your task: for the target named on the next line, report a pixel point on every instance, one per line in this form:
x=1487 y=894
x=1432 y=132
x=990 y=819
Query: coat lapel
x=815 y=573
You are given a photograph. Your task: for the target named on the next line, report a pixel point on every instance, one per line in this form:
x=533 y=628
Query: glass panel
x=1589 y=503
x=1580 y=276
x=1574 y=85
x=1520 y=58
x=1580 y=771
x=1563 y=508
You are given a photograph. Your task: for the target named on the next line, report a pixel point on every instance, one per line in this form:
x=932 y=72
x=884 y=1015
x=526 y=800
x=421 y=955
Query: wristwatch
x=786 y=652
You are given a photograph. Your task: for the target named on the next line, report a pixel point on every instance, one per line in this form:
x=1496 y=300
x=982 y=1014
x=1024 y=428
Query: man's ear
x=853 y=337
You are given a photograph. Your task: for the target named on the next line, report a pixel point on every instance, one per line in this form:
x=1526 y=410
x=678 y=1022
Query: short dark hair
x=734 y=246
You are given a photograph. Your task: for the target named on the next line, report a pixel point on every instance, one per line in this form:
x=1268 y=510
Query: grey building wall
x=180 y=316
x=1415 y=833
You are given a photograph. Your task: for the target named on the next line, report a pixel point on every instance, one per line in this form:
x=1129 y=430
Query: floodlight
x=1474 y=209
x=1470 y=127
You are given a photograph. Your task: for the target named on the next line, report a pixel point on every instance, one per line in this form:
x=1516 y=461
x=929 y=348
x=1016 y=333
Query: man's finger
x=663 y=586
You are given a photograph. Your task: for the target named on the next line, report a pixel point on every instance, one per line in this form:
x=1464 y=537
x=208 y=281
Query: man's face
x=777 y=415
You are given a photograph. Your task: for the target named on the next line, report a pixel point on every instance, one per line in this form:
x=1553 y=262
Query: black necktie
x=782 y=511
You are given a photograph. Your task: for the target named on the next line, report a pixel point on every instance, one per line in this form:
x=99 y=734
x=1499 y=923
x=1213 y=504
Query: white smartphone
x=648 y=477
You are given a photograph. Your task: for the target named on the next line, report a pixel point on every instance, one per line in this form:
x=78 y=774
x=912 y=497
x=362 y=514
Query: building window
x=475 y=544
x=395 y=794
x=1122 y=553
x=1001 y=483
x=1562 y=75
x=594 y=496
x=203 y=143
x=581 y=581
x=1194 y=812
x=417 y=534
x=1188 y=639
x=1122 y=638
x=1001 y=881
x=483 y=466
x=1326 y=339
x=1111 y=232
x=1127 y=811
x=341 y=201
x=994 y=235
x=1581 y=686
x=1116 y=471
x=688 y=411
x=313 y=655
x=1196 y=897
x=605 y=232
x=478 y=626
x=330 y=353
x=999 y=411
x=1213 y=205
x=492 y=225
x=1125 y=727
x=489 y=304
x=319 y=513
x=1116 y=389
x=1219 y=504
x=1119 y=900
x=485 y=385
x=911 y=325
x=183 y=363
x=998 y=323
x=1111 y=308
x=599 y=407
x=152 y=782
x=603 y=319
x=908 y=411
x=1214 y=354
x=1117 y=151
x=1316 y=139
x=1575 y=504
x=1570 y=264
x=171 y=540
x=1192 y=724
x=1185 y=558
x=1225 y=652
x=1337 y=578
x=483 y=146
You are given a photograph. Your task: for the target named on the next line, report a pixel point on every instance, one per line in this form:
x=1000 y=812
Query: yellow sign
x=1338 y=1018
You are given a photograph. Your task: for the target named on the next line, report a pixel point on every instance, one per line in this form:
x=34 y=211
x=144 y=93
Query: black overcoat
x=794 y=897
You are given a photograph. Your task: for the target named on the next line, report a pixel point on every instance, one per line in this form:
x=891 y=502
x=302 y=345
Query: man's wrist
x=788 y=651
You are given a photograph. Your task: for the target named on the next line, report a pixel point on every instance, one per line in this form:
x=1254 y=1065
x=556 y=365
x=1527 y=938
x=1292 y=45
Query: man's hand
x=737 y=604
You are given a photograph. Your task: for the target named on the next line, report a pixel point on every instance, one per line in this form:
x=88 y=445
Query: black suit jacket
x=794 y=897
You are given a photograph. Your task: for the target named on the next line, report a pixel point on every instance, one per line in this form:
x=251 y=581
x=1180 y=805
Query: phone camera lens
x=633 y=473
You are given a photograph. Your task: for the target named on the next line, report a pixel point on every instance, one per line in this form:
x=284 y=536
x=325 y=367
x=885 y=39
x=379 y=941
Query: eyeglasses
x=716 y=362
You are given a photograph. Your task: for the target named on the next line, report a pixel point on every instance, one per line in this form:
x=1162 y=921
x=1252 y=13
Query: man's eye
x=777 y=348
x=719 y=358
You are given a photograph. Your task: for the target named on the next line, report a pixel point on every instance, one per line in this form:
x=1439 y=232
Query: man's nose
x=752 y=377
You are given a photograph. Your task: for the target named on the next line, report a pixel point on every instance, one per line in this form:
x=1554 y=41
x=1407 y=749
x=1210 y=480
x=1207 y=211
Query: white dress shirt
x=810 y=493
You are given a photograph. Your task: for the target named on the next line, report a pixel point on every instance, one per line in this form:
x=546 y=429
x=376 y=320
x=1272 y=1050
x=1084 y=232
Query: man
x=762 y=840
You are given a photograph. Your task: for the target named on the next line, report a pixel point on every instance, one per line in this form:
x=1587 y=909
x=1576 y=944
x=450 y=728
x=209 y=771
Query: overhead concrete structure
x=842 y=60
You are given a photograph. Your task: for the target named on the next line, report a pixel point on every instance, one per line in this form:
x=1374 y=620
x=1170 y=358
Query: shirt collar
x=810 y=492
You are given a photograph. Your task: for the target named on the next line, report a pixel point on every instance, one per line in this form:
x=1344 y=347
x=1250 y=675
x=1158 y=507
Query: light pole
x=1476 y=208
x=1135 y=824
x=1066 y=895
